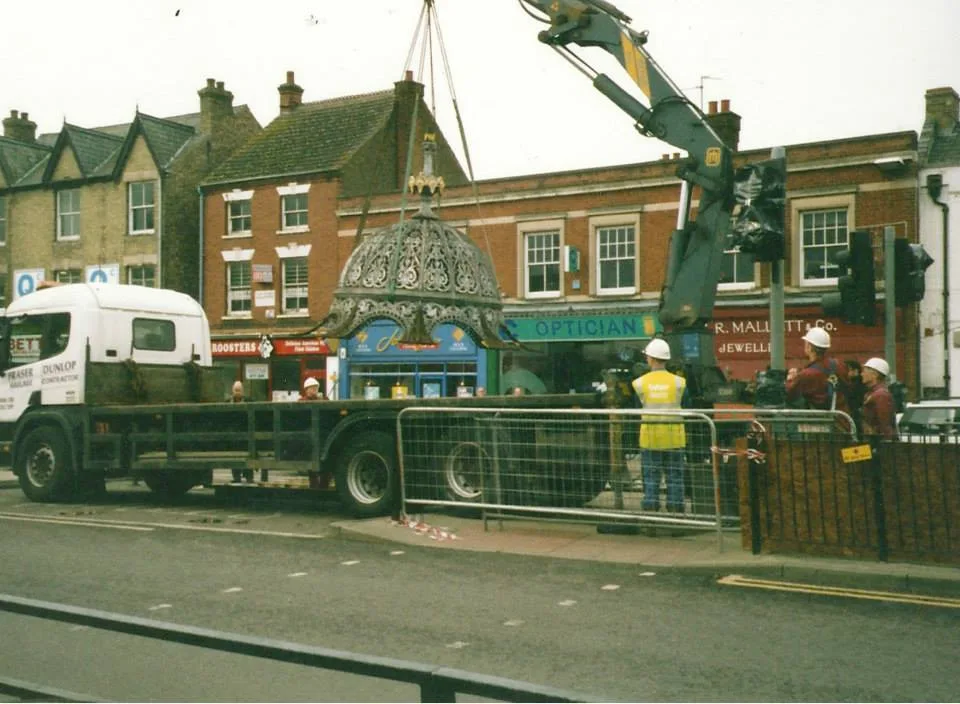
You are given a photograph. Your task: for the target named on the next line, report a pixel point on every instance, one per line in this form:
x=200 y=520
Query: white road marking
x=457 y=644
x=350 y=562
x=233 y=590
x=513 y=622
x=239 y=515
x=610 y=587
x=72 y=522
x=648 y=574
x=209 y=529
x=567 y=602
x=297 y=574
x=79 y=628
x=160 y=606
x=396 y=552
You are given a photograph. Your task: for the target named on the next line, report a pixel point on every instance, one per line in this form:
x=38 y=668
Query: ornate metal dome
x=419 y=273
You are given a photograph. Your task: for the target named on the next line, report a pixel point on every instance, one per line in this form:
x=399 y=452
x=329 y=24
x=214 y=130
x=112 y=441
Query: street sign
x=857 y=453
x=26 y=281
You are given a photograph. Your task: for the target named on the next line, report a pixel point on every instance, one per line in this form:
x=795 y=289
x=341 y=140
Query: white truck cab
x=47 y=337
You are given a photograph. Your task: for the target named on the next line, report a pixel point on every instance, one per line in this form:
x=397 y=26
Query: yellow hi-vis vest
x=660 y=389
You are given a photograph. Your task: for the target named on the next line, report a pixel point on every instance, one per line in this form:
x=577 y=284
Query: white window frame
x=287 y=211
x=149 y=209
x=297 y=289
x=71 y=215
x=239 y=292
x=799 y=207
x=528 y=230
x=237 y=197
x=133 y=279
x=611 y=222
x=68 y=276
x=738 y=285
x=3 y=221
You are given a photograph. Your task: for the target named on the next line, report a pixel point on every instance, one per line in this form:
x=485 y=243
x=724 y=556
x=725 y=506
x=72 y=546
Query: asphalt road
x=279 y=571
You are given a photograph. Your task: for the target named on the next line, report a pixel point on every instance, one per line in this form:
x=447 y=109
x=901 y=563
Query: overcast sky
x=798 y=71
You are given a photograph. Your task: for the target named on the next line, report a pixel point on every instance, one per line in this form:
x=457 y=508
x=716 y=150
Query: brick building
x=115 y=203
x=578 y=319
x=272 y=253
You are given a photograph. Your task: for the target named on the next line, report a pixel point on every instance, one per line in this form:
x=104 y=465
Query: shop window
x=239 y=298
x=616 y=259
x=542 y=264
x=295 y=285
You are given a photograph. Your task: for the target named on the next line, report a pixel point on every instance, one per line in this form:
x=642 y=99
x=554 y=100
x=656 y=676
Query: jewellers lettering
x=762 y=326
x=59 y=372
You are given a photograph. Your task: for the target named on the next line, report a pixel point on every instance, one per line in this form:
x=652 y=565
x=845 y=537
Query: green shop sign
x=581 y=328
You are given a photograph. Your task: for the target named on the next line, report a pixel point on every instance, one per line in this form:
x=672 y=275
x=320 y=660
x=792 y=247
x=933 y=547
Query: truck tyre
x=46 y=467
x=365 y=474
x=170 y=485
x=465 y=462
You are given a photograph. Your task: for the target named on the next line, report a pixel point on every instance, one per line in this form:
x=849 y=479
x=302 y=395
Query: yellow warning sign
x=857 y=453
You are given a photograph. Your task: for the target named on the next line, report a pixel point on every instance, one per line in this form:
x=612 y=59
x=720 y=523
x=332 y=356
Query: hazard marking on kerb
x=736 y=580
x=610 y=587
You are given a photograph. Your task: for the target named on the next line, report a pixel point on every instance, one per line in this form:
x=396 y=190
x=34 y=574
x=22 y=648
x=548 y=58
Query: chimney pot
x=712 y=107
x=942 y=108
x=19 y=127
x=289 y=76
x=408 y=76
x=13 y=114
x=724 y=106
x=291 y=95
x=676 y=155
x=219 y=85
x=210 y=83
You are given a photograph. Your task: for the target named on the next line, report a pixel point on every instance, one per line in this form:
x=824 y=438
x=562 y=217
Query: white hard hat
x=310 y=381
x=818 y=337
x=878 y=365
x=658 y=349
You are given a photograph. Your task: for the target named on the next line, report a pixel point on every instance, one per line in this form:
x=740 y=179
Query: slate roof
x=314 y=137
x=18 y=158
x=96 y=152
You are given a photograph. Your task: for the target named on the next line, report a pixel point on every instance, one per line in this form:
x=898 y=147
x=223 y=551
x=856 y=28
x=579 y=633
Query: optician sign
x=584 y=328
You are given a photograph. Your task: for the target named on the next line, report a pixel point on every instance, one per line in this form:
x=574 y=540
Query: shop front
x=566 y=354
x=742 y=339
x=273 y=368
x=374 y=364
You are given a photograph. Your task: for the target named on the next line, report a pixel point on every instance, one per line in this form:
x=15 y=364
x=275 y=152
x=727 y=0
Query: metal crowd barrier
x=573 y=464
x=437 y=684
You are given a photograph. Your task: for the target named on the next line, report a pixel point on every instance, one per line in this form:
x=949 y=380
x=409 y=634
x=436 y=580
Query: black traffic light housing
x=855 y=300
x=760 y=193
x=910 y=264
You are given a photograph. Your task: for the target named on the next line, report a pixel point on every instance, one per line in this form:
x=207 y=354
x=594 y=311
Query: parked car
x=930 y=421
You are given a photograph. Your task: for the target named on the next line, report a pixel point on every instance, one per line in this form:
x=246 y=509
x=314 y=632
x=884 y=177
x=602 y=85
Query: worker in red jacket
x=822 y=384
x=879 y=415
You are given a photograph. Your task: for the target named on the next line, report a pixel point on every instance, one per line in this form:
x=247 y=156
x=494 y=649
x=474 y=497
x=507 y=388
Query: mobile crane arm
x=697 y=246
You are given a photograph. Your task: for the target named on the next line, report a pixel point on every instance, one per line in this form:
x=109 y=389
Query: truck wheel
x=46 y=467
x=170 y=485
x=365 y=474
x=464 y=465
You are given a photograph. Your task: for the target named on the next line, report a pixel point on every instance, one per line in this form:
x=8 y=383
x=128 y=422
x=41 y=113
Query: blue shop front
x=374 y=364
x=566 y=353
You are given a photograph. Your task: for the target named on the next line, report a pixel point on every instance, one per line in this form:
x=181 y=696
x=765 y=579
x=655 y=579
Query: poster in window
x=431 y=389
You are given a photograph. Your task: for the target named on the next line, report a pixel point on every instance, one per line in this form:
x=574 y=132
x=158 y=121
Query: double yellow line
x=736 y=580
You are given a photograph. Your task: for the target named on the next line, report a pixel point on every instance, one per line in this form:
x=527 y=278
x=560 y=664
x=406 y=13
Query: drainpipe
x=934 y=189
x=200 y=257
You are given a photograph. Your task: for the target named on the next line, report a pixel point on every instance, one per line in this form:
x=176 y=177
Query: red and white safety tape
x=422 y=528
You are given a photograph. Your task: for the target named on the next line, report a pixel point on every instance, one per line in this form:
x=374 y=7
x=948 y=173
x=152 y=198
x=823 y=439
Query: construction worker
x=878 y=407
x=662 y=443
x=822 y=384
x=311 y=390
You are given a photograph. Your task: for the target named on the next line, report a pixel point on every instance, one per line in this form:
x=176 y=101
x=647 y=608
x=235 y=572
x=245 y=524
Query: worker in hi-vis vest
x=662 y=443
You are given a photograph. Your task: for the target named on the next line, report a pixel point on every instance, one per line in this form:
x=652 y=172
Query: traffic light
x=910 y=264
x=855 y=300
x=760 y=193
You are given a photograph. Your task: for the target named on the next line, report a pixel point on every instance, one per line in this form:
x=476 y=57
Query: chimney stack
x=291 y=95
x=20 y=127
x=216 y=105
x=942 y=107
x=725 y=123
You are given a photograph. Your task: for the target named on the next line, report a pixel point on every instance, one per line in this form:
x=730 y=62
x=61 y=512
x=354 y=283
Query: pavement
x=690 y=551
